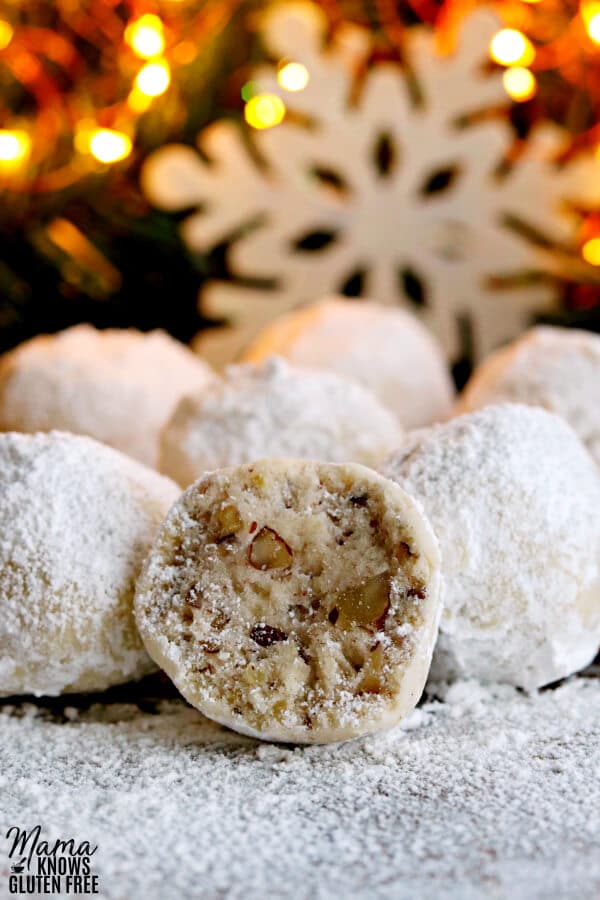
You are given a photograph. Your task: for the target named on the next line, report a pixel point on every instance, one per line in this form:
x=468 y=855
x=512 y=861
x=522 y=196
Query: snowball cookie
x=384 y=348
x=557 y=368
x=514 y=499
x=76 y=519
x=294 y=600
x=274 y=409
x=118 y=386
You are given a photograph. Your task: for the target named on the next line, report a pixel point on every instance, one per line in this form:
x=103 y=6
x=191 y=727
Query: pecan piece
x=268 y=550
x=228 y=521
x=365 y=604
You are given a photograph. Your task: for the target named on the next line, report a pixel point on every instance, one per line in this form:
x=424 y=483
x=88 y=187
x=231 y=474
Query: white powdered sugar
x=556 y=368
x=118 y=386
x=514 y=500
x=488 y=794
x=386 y=349
x=275 y=409
x=76 y=520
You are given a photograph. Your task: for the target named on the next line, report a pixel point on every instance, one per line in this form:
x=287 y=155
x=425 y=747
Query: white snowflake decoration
x=404 y=198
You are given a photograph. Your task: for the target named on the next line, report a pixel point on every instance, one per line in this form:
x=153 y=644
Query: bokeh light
x=591 y=251
x=510 y=47
x=145 y=36
x=293 y=76
x=109 y=146
x=6 y=34
x=137 y=101
x=185 y=52
x=15 y=146
x=264 y=111
x=593 y=28
x=154 y=78
x=520 y=84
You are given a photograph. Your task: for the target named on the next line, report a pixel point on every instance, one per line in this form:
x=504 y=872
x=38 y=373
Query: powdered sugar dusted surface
x=514 y=500
x=387 y=349
x=275 y=409
x=488 y=794
x=76 y=521
x=557 y=368
x=116 y=385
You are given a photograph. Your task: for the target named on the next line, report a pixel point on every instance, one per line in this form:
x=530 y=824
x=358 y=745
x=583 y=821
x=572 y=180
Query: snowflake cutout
x=390 y=188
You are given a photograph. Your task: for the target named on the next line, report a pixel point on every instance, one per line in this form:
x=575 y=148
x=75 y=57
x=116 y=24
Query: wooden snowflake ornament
x=388 y=186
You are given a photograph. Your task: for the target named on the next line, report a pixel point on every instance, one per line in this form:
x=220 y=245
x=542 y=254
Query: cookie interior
x=290 y=595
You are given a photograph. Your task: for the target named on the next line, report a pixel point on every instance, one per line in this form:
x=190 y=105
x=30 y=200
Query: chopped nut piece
x=208 y=647
x=220 y=621
x=193 y=599
x=253 y=676
x=365 y=604
x=404 y=551
x=268 y=550
x=229 y=522
x=304 y=655
x=265 y=635
x=300 y=611
x=372 y=671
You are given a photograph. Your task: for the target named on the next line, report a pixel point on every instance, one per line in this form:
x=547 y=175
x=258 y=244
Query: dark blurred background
x=89 y=89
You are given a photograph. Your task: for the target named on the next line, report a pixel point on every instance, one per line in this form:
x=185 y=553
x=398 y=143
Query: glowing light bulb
x=510 y=47
x=519 y=83
x=137 y=101
x=6 y=34
x=145 y=36
x=592 y=26
x=14 y=147
x=264 y=111
x=109 y=146
x=293 y=76
x=154 y=78
x=591 y=251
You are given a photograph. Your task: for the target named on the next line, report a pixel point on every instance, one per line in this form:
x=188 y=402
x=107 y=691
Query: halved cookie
x=294 y=600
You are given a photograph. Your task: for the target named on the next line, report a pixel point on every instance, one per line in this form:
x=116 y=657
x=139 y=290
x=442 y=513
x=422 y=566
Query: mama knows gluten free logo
x=39 y=867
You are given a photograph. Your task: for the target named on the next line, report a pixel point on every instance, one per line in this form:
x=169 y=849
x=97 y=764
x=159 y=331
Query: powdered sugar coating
x=514 y=499
x=76 y=520
x=557 y=368
x=118 y=386
x=274 y=409
x=490 y=795
x=388 y=350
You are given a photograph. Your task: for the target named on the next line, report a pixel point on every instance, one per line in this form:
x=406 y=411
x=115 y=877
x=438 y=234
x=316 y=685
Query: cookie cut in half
x=294 y=600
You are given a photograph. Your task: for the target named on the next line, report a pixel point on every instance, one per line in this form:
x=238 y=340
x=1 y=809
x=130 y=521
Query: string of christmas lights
x=133 y=60
x=88 y=89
